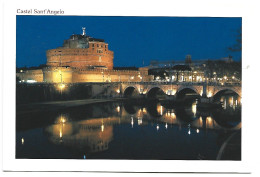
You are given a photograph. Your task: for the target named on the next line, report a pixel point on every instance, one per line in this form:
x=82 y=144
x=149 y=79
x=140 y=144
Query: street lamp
x=103 y=75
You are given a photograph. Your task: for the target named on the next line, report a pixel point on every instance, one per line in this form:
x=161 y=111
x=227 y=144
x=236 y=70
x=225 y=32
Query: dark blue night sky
x=133 y=39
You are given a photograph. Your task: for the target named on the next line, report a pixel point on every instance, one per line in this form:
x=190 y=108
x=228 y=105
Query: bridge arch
x=218 y=91
x=153 y=91
x=184 y=90
x=130 y=91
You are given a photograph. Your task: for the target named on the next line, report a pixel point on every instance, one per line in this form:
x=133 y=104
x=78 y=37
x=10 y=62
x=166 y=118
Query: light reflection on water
x=111 y=132
x=231 y=102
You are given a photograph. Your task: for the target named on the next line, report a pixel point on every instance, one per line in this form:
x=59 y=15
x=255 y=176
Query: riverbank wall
x=31 y=93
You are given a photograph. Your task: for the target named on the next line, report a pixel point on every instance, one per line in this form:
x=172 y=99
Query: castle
x=82 y=59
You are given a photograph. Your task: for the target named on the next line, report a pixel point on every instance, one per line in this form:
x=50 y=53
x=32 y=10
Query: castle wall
x=74 y=75
x=97 y=75
x=57 y=75
x=36 y=75
x=81 y=58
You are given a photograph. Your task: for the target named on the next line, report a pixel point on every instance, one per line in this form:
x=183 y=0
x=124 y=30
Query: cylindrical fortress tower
x=81 y=51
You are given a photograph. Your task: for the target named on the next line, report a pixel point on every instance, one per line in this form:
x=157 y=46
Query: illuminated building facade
x=82 y=59
x=224 y=70
x=81 y=51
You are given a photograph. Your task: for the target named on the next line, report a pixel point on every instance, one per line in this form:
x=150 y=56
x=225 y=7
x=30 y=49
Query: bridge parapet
x=171 y=88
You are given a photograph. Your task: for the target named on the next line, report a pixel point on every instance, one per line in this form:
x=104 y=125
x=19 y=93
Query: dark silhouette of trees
x=237 y=47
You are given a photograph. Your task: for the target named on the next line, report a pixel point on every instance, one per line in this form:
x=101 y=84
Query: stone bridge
x=172 y=88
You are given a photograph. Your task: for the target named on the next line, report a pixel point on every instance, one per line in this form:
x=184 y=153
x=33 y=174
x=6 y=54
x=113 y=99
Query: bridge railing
x=143 y=83
x=183 y=83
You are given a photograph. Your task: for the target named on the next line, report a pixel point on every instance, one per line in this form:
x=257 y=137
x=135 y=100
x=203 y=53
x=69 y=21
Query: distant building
x=196 y=71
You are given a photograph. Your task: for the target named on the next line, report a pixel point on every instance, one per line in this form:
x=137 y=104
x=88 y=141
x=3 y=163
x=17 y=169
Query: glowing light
x=182 y=78
x=173 y=92
x=61 y=86
x=166 y=126
x=189 y=132
x=236 y=102
x=201 y=92
x=84 y=157
x=22 y=141
x=233 y=77
x=209 y=119
x=160 y=109
x=21 y=70
x=132 y=122
x=173 y=115
x=31 y=81
x=60 y=133
x=194 y=108
x=118 y=109
x=209 y=122
x=231 y=101
x=118 y=91
x=225 y=77
x=190 y=77
x=209 y=94
x=157 y=127
x=197 y=130
x=62 y=119
x=139 y=121
x=102 y=128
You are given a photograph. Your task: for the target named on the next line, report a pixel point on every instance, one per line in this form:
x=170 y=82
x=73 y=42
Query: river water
x=133 y=130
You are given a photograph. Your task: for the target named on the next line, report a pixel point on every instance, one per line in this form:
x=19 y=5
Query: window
x=97 y=45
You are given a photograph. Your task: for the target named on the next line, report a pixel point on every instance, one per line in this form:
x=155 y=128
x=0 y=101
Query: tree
x=237 y=47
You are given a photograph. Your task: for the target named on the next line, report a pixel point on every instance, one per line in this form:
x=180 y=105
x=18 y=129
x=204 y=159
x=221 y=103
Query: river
x=133 y=129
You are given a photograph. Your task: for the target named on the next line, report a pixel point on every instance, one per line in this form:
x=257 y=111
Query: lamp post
x=103 y=75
